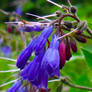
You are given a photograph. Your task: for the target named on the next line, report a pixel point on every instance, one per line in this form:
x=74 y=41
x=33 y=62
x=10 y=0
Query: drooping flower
x=41 y=80
x=42 y=39
x=51 y=58
x=15 y=86
x=25 y=54
x=30 y=72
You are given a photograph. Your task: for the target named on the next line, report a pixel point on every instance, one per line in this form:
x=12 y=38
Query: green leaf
x=88 y=57
x=83 y=80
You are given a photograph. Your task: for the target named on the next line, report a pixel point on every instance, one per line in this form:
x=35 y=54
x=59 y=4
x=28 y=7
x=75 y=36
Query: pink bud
x=62 y=53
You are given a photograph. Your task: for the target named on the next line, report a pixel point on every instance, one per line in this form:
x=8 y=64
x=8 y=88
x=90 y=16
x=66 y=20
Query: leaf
x=83 y=80
x=88 y=57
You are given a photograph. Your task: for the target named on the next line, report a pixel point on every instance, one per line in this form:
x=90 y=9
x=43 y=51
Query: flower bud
x=73 y=10
x=81 y=39
x=68 y=24
x=73 y=45
x=62 y=53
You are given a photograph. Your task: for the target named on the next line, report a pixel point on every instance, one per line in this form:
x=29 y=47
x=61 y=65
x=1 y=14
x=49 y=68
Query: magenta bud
x=73 y=45
x=62 y=53
x=81 y=39
x=68 y=52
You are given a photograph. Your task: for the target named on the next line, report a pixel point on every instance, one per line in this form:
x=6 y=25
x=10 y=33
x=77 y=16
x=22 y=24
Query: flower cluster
x=48 y=61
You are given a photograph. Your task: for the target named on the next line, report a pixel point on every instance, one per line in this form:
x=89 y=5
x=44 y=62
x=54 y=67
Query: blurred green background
x=78 y=69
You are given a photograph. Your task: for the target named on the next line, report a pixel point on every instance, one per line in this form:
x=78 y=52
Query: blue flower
x=15 y=86
x=49 y=65
x=19 y=10
x=41 y=80
x=43 y=66
x=51 y=58
x=42 y=39
x=25 y=54
x=30 y=72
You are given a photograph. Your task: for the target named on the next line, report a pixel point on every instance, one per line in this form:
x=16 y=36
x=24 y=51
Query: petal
x=30 y=72
x=51 y=61
x=54 y=43
x=40 y=44
x=42 y=39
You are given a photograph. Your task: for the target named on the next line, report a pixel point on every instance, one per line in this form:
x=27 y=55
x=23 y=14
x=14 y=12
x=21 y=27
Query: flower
x=51 y=58
x=32 y=69
x=42 y=39
x=43 y=66
x=37 y=44
x=25 y=54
